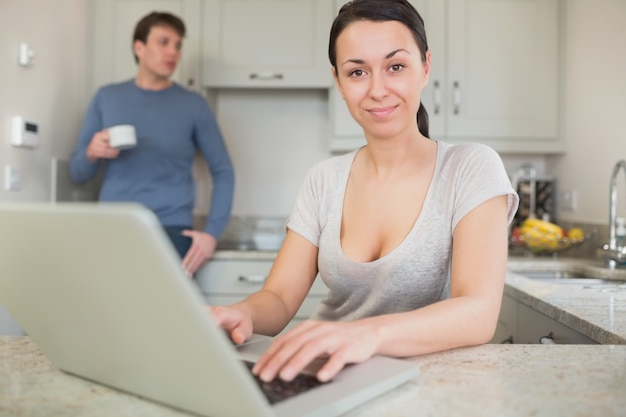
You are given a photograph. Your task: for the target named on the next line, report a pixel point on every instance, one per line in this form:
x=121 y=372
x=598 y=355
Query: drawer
x=533 y=326
x=228 y=277
x=306 y=309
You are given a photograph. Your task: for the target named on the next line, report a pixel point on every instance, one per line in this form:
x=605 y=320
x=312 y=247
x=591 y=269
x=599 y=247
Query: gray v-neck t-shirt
x=417 y=272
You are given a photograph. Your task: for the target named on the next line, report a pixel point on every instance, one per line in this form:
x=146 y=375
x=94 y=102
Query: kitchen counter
x=489 y=380
x=482 y=381
x=245 y=255
x=595 y=311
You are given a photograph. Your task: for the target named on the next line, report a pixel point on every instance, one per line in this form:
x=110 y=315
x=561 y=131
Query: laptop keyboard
x=279 y=390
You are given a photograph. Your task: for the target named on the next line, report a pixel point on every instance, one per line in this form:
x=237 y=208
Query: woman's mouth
x=382 y=112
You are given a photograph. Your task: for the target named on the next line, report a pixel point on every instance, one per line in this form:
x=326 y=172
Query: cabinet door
x=506 y=330
x=266 y=43
x=533 y=325
x=346 y=134
x=113 y=23
x=503 y=63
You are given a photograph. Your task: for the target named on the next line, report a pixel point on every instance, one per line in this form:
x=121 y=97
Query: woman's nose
x=378 y=86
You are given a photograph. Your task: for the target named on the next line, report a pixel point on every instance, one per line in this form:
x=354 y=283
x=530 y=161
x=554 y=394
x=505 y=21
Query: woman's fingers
x=338 y=343
x=233 y=322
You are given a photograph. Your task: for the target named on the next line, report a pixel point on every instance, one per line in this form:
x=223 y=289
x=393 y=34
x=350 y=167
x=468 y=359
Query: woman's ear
x=427 y=69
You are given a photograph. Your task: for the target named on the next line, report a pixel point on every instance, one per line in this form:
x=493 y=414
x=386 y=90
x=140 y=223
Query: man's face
x=160 y=54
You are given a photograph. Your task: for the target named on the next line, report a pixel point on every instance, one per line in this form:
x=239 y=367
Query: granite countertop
x=489 y=380
x=596 y=311
x=482 y=381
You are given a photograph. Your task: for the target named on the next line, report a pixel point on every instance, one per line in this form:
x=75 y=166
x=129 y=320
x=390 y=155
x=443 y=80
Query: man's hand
x=201 y=250
x=99 y=147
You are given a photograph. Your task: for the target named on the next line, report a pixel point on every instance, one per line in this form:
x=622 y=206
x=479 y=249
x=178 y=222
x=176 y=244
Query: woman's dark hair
x=143 y=27
x=382 y=11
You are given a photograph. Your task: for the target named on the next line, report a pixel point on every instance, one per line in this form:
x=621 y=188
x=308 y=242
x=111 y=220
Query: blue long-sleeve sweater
x=170 y=124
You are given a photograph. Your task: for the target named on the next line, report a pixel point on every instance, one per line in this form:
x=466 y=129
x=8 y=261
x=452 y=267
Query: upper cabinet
x=266 y=43
x=113 y=23
x=494 y=76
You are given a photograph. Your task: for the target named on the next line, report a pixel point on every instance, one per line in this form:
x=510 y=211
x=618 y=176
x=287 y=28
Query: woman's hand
x=234 y=322
x=341 y=342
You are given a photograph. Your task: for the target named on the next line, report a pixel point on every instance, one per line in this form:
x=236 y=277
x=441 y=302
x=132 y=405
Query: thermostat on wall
x=23 y=133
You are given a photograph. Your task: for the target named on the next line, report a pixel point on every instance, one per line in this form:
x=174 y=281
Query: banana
x=543 y=227
x=540 y=234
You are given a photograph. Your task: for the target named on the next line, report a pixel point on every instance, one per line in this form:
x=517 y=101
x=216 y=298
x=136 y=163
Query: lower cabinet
x=519 y=323
x=229 y=281
x=506 y=331
x=535 y=327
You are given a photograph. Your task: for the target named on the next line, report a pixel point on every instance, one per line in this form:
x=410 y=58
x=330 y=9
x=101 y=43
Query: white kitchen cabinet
x=519 y=323
x=494 y=76
x=506 y=330
x=533 y=326
x=226 y=281
x=266 y=43
x=113 y=23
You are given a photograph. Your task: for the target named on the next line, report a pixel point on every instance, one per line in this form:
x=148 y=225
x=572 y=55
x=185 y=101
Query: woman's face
x=380 y=75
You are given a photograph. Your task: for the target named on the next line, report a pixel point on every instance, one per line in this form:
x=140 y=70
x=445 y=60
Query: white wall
x=51 y=93
x=595 y=106
x=274 y=137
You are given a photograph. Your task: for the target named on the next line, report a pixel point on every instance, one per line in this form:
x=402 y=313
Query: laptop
x=100 y=289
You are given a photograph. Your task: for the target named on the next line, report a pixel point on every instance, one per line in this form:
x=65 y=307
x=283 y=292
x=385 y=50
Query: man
x=171 y=123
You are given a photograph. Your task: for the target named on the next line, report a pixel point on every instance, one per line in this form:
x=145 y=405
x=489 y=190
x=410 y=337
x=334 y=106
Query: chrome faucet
x=612 y=252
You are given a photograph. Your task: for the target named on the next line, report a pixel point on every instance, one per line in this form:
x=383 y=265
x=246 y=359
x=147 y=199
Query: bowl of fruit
x=540 y=236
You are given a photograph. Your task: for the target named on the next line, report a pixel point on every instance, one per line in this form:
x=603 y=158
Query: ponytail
x=422 y=120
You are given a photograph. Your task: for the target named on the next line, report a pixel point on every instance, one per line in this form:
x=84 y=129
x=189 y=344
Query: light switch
x=12 y=179
x=24 y=55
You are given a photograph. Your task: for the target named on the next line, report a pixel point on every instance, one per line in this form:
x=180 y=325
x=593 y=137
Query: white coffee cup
x=122 y=137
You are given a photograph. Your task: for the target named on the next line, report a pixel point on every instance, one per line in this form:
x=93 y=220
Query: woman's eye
x=356 y=73
x=396 y=67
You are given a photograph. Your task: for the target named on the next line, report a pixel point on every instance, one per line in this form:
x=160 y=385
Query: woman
x=409 y=234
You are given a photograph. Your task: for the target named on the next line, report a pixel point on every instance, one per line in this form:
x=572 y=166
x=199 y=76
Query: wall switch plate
x=25 y=55
x=569 y=200
x=12 y=178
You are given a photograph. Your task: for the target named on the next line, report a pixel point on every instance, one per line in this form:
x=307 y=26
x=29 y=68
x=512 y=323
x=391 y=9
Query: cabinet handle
x=507 y=341
x=437 y=96
x=252 y=279
x=266 y=76
x=547 y=340
x=456 y=97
